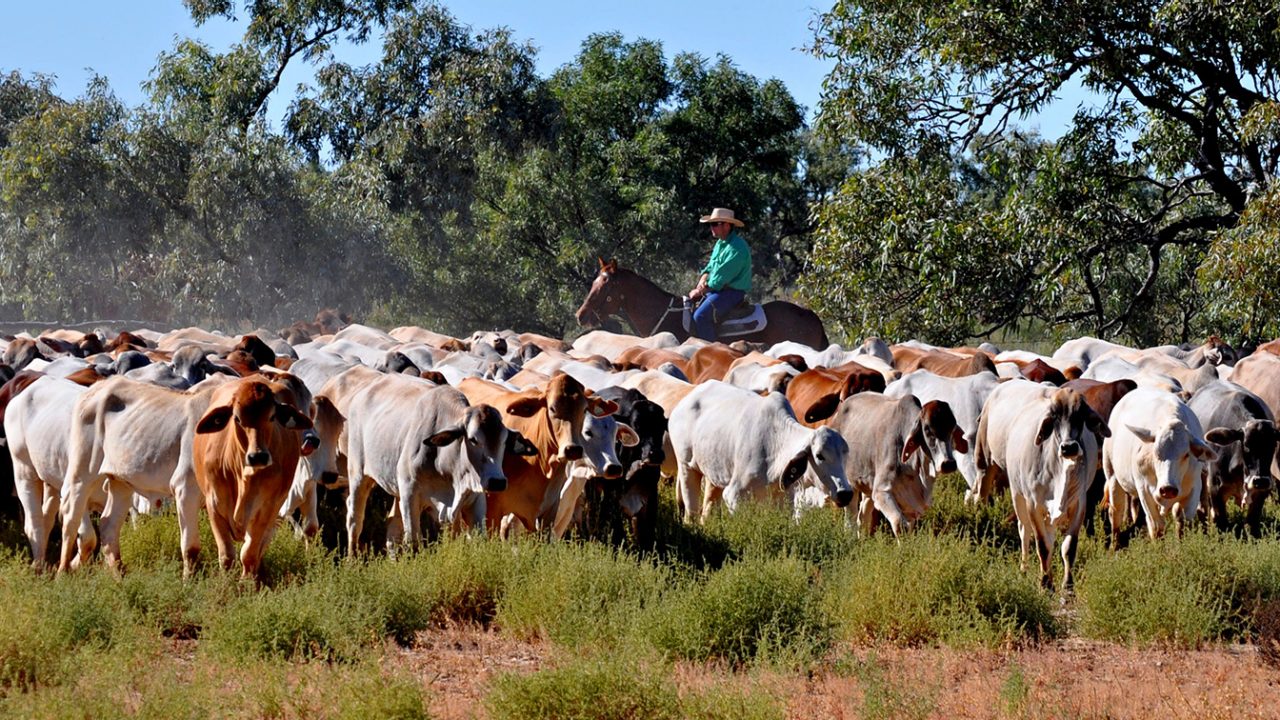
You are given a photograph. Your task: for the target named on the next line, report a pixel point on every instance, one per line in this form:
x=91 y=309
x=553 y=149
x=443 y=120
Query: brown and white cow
x=551 y=421
x=246 y=450
x=816 y=393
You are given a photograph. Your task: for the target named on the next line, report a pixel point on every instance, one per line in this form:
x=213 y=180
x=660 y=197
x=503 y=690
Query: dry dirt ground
x=1067 y=679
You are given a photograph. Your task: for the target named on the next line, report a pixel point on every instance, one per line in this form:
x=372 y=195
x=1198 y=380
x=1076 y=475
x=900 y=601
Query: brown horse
x=649 y=310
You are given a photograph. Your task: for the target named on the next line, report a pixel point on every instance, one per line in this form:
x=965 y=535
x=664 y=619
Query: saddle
x=745 y=318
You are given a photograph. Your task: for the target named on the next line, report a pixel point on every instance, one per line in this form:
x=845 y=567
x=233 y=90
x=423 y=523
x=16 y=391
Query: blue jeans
x=715 y=305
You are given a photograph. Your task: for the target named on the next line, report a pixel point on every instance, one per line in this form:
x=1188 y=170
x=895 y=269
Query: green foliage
x=820 y=537
x=754 y=610
x=581 y=595
x=1179 y=591
x=964 y=226
x=617 y=687
x=928 y=590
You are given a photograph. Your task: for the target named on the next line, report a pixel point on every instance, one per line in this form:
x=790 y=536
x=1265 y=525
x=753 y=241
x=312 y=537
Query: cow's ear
x=434 y=376
x=1046 y=429
x=1141 y=433
x=795 y=469
x=914 y=441
x=292 y=418
x=325 y=406
x=627 y=436
x=1223 y=436
x=518 y=444
x=527 y=406
x=1099 y=426
x=214 y=419
x=823 y=408
x=1203 y=451
x=445 y=437
x=958 y=443
x=601 y=408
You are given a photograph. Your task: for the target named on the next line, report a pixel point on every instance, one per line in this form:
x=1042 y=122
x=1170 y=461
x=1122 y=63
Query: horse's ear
x=613 y=265
x=603 y=264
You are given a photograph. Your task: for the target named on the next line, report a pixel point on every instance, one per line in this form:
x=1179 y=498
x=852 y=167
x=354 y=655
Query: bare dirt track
x=1066 y=679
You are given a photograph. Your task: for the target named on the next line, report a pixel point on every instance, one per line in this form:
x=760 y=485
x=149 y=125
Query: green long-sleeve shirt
x=730 y=264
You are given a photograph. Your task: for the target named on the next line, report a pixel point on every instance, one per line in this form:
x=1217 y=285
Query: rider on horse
x=726 y=279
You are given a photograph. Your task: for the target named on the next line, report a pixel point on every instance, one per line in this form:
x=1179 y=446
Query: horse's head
x=604 y=299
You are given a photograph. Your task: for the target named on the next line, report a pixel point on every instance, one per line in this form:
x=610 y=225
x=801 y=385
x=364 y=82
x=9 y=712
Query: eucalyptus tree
x=964 y=226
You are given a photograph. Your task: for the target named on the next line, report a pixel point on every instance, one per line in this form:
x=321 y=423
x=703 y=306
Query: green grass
x=930 y=590
x=618 y=688
x=1202 y=587
x=754 y=589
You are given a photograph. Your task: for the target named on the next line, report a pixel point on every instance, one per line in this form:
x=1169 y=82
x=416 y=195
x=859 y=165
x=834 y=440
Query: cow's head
x=327 y=423
x=604 y=298
x=567 y=404
x=1217 y=352
x=253 y=416
x=822 y=461
x=911 y=497
x=1177 y=456
x=1257 y=448
x=484 y=442
x=938 y=437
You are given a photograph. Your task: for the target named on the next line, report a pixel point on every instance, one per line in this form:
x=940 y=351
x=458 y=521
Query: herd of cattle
x=505 y=431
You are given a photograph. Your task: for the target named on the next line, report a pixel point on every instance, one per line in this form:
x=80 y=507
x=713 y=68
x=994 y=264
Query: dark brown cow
x=816 y=393
x=87 y=376
x=1040 y=371
x=261 y=352
x=1102 y=397
x=246 y=449
x=940 y=362
x=126 y=341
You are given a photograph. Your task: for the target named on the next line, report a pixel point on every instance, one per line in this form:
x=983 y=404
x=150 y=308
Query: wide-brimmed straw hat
x=721 y=215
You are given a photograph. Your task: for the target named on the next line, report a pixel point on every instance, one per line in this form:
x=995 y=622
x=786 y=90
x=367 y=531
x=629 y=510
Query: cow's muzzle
x=495 y=484
x=1258 y=482
x=655 y=456
x=260 y=458
x=1070 y=449
x=843 y=498
x=612 y=471
x=329 y=478
x=573 y=452
x=948 y=466
x=310 y=442
x=1168 y=492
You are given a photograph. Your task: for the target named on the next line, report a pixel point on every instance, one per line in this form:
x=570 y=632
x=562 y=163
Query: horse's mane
x=640 y=278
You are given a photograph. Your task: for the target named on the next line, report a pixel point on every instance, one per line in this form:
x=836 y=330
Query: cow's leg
x=1044 y=550
x=187 y=500
x=867 y=516
x=74 y=505
x=311 y=512
x=1069 y=545
x=1117 y=508
x=31 y=495
x=357 y=500
x=1026 y=531
x=411 y=515
x=255 y=544
x=395 y=526
x=689 y=481
x=1155 y=520
x=711 y=494
x=1253 y=510
x=1217 y=507
x=888 y=506
x=119 y=499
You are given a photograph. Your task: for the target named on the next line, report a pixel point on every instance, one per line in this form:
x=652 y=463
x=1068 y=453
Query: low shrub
x=299 y=622
x=148 y=682
x=578 y=593
x=1183 y=591
x=751 y=610
x=928 y=590
x=757 y=530
x=983 y=523
x=623 y=688
x=468 y=575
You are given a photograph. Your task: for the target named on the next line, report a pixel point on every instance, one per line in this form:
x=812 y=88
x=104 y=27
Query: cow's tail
x=981 y=451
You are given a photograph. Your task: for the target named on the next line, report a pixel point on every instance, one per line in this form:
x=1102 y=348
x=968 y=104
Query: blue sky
x=122 y=40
